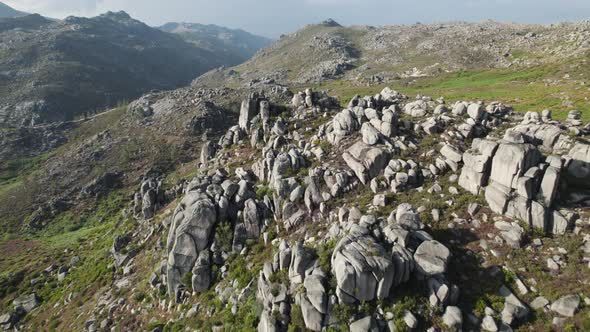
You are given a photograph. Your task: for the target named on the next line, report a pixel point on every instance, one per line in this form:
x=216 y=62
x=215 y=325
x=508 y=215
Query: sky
x=272 y=18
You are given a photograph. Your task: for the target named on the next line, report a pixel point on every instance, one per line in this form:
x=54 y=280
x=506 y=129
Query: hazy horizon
x=272 y=18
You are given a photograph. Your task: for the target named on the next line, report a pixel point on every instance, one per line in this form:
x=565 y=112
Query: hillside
x=56 y=71
x=7 y=11
x=323 y=185
x=239 y=43
x=527 y=65
x=365 y=54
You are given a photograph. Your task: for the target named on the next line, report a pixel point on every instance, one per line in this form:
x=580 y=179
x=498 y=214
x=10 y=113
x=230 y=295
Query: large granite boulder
x=366 y=161
x=511 y=161
x=362 y=267
x=189 y=234
x=431 y=258
x=578 y=170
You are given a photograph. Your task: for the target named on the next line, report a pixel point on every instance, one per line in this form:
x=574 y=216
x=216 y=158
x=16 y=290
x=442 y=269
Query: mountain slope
x=241 y=44
x=7 y=11
x=251 y=205
x=366 y=54
x=55 y=71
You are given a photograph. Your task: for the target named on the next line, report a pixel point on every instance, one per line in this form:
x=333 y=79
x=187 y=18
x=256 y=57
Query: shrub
x=263 y=191
x=187 y=280
x=297 y=323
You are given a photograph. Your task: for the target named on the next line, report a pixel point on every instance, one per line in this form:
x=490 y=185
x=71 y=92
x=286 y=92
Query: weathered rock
x=366 y=161
x=248 y=110
x=201 y=279
x=453 y=318
x=316 y=293
x=514 y=309
x=267 y=322
x=497 y=196
x=345 y=123
x=366 y=324
x=539 y=302
x=549 y=186
x=475 y=112
x=431 y=258
x=566 y=305
x=26 y=302
x=192 y=223
x=489 y=324
x=252 y=219
x=557 y=223
x=361 y=276
x=471 y=180
x=301 y=260
x=311 y=316
x=207 y=151
x=451 y=153
x=511 y=161
x=370 y=134
x=578 y=170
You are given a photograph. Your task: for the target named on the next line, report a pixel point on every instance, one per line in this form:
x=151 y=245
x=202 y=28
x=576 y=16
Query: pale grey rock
x=267 y=322
x=497 y=196
x=514 y=309
x=311 y=316
x=558 y=223
x=431 y=258
x=345 y=123
x=316 y=293
x=475 y=111
x=578 y=170
x=489 y=324
x=192 y=223
x=566 y=305
x=410 y=319
x=366 y=161
x=471 y=180
x=459 y=108
x=451 y=153
x=360 y=276
x=539 y=302
x=453 y=318
x=549 y=186
x=248 y=110
x=370 y=134
x=26 y=302
x=366 y=324
x=201 y=279
x=301 y=260
x=512 y=161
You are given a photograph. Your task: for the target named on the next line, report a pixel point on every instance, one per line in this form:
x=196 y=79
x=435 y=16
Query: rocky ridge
x=327 y=257
x=379 y=55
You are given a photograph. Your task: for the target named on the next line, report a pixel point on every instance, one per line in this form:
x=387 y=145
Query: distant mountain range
x=241 y=44
x=58 y=70
x=7 y=11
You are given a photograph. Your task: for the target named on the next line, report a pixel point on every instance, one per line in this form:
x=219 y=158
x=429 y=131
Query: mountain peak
x=330 y=23
x=120 y=15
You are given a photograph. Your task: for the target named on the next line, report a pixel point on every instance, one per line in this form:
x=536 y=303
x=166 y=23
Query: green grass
x=524 y=89
x=11 y=170
x=87 y=234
